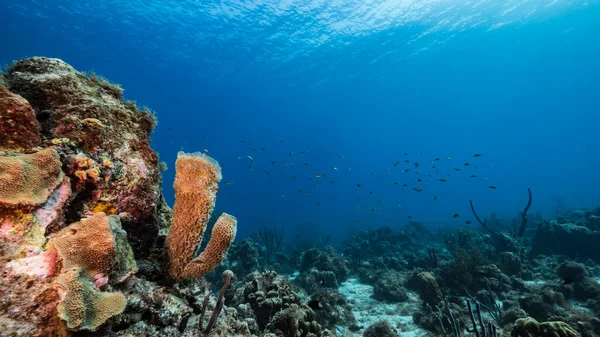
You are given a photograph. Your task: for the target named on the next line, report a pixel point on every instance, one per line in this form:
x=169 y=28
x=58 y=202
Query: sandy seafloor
x=368 y=311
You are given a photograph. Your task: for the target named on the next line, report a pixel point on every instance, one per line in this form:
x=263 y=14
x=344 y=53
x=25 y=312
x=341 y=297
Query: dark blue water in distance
x=299 y=85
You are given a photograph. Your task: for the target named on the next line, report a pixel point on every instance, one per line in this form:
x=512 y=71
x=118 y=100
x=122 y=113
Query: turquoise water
x=344 y=89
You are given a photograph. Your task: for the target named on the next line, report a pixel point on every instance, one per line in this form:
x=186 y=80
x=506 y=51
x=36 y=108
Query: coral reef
x=19 y=127
x=574 y=239
x=243 y=258
x=425 y=284
x=321 y=268
x=27 y=180
x=380 y=329
x=267 y=293
x=85 y=117
x=295 y=321
x=83 y=306
x=388 y=287
x=333 y=309
x=88 y=246
x=79 y=202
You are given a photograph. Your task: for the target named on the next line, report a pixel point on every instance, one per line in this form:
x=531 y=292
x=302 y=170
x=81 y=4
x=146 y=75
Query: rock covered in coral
x=325 y=260
x=157 y=311
x=380 y=329
x=83 y=305
x=103 y=141
x=315 y=279
x=529 y=327
x=267 y=293
x=331 y=309
x=65 y=278
x=510 y=263
x=545 y=304
x=31 y=310
x=510 y=315
x=27 y=180
x=19 y=127
x=321 y=268
x=427 y=287
x=243 y=258
x=63 y=275
x=589 y=218
x=574 y=241
x=388 y=288
x=88 y=110
x=296 y=320
x=587 y=289
x=503 y=242
x=157 y=302
x=79 y=183
x=571 y=270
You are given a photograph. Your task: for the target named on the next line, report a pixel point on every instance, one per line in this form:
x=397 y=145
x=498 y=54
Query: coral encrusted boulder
x=78 y=183
x=103 y=141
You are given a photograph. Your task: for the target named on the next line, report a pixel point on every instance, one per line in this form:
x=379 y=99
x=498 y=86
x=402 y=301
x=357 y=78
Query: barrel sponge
x=28 y=179
x=88 y=244
x=196 y=186
x=83 y=306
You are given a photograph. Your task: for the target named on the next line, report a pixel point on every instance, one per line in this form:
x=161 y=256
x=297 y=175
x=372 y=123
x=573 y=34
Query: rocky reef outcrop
x=575 y=235
x=88 y=247
x=102 y=140
x=80 y=205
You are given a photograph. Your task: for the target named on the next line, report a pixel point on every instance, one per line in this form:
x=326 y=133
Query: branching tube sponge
x=196 y=186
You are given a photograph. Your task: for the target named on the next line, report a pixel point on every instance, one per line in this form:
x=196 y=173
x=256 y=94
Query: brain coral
x=88 y=244
x=83 y=306
x=28 y=180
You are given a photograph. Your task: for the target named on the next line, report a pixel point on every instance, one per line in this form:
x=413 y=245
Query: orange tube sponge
x=196 y=186
x=28 y=180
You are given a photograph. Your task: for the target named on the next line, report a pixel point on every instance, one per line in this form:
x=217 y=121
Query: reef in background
x=88 y=247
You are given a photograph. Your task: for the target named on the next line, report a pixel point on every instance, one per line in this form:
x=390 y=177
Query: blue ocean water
x=328 y=95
